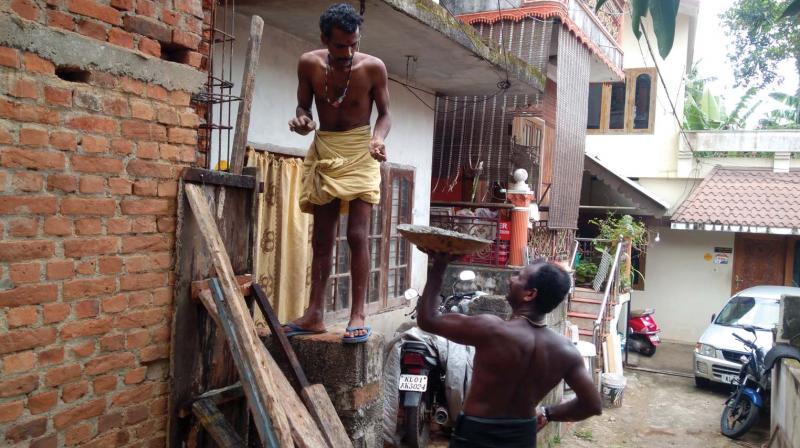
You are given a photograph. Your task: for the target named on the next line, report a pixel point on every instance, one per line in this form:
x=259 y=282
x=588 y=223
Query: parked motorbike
x=643 y=332
x=422 y=377
x=751 y=393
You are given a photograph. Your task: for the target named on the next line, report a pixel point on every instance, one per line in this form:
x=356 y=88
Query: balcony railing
x=488 y=224
x=604 y=28
x=722 y=146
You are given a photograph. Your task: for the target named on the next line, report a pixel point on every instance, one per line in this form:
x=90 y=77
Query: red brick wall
x=162 y=28
x=88 y=179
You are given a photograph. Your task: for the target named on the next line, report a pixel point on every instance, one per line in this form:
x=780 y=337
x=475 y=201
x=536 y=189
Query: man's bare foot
x=358 y=324
x=310 y=321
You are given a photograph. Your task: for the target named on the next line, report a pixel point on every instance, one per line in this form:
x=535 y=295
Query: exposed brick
x=189 y=119
x=150 y=262
x=110 y=265
x=27 y=113
x=35 y=64
x=112 y=343
x=93 y=29
x=154 y=353
x=24 y=88
x=109 y=421
x=168 y=189
x=142 y=281
x=136 y=414
x=43 y=402
x=107 y=363
x=134 y=395
x=83 y=349
x=135 y=376
x=18 y=386
x=19 y=362
x=134 y=86
x=27 y=430
x=22 y=227
x=60 y=20
x=21 y=316
x=91 y=164
x=28 y=182
x=120 y=186
x=25 y=273
x=148 y=243
x=146 y=8
x=191 y=58
x=94 y=207
x=87 y=327
x=88 y=226
x=27 y=158
x=54 y=225
x=117 y=226
x=104 y=384
x=18 y=340
x=78 y=413
x=61 y=375
x=118 y=37
x=186 y=40
x=86 y=309
x=65 y=141
x=122 y=146
x=150 y=46
x=26 y=9
x=137 y=339
x=60 y=270
x=143 y=224
x=142 y=110
x=162 y=297
x=147 y=206
x=27 y=205
x=87 y=267
x=75 y=391
x=140 y=299
x=5 y=137
x=9 y=57
x=87 y=247
x=25 y=250
x=142 y=130
x=103 y=79
x=95 y=144
x=85 y=288
x=157 y=92
x=125 y=5
x=148 y=27
x=150 y=169
x=169 y=17
x=33 y=137
x=166 y=224
x=51 y=356
x=55 y=312
x=92 y=123
x=114 y=304
x=167 y=115
x=10 y=411
x=45 y=442
x=194 y=7
x=95 y=10
x=78 y=435
x=116 y=105
x=147 y=150
x=145 y=187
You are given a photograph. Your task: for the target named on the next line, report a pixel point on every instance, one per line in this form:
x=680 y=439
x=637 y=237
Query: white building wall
x=684 y=287
x=410 y=141
x=649 y=155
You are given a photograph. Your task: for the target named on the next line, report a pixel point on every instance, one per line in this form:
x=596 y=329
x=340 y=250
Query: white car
x=717 y=353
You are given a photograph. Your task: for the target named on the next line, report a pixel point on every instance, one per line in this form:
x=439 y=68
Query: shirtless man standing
x=342 y=168
x=517 y=362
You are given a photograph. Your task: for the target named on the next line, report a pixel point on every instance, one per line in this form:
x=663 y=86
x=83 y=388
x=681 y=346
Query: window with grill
x=623 y=107
x=390 y=254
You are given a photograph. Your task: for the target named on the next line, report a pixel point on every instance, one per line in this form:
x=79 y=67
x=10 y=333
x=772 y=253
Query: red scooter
x=643 y=332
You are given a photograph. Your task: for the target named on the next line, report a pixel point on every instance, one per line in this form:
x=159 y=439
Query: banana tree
x=786 y=117
x=703 y=110
x=792 y=9
x=663 y=13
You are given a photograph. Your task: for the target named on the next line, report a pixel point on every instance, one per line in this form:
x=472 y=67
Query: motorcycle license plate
x=413 y=383
x=728 y=378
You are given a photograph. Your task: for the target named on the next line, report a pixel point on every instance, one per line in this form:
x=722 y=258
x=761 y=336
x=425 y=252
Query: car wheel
x=701 y=383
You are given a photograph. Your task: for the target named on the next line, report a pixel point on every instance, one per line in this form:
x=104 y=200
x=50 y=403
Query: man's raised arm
x=466 y=330
x=303 y=122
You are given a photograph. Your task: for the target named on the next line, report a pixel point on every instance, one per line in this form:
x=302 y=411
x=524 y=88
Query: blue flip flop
x=297 y=330
x=357 y=339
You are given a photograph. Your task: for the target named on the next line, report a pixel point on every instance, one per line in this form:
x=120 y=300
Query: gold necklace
x=535 y=324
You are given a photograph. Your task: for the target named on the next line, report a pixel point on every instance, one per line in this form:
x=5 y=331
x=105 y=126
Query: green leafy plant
x=585 y=271
x=663 y=13
x=613 y=228
x=584 y=434
x=785 y=117
x=703 y=110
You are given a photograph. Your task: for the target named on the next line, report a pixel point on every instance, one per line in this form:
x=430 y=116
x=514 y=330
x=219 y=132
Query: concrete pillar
x=781 y=162
x=520 y=216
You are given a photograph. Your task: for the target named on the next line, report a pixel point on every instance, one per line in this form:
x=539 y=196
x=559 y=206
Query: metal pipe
x=441 y=415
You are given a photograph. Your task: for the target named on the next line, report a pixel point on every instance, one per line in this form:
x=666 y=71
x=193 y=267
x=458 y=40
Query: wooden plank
x=305 y=432
x=201 y=176
x=199 y=286
x=246 y=93
x=258 y=399
x=217 y=396
x=214 y=422
x=315 y=397
x=242 y=324
x=199 y=357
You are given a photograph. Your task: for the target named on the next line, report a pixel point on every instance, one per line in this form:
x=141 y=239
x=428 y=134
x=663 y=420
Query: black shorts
x=479 y=432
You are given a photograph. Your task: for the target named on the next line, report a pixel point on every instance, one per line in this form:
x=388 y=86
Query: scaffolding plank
x=214 y=422
x=248 y=86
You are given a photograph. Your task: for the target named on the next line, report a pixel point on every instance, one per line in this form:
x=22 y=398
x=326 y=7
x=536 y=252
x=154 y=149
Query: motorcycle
x=422 y=382
x=751 y=393
x=643 y=332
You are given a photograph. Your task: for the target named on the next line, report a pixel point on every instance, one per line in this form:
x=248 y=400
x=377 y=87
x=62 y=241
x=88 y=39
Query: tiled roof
x=750 y=197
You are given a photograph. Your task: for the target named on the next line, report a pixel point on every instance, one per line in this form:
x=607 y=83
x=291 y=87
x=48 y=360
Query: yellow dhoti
x=339 y=166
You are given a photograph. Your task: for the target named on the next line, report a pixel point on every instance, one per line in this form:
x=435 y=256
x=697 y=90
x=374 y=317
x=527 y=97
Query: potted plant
x=630 y=230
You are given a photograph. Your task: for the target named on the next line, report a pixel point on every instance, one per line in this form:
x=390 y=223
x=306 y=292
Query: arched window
x=641 y=103
x=623 y=107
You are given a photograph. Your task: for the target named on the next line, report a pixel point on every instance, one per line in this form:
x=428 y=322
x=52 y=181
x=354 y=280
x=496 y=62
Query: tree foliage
x=786 y=116
x=761 y=39
x=703 y=110
x=663 y=14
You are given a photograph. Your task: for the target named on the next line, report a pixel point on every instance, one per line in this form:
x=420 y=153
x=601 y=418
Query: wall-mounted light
x=658 y=237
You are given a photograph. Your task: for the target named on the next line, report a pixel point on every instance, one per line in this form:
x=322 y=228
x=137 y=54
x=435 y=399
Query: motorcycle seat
x=415 y=346
x=642 y=313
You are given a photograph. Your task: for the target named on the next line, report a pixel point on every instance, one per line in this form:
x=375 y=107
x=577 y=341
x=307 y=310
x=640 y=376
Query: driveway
x=661 y=411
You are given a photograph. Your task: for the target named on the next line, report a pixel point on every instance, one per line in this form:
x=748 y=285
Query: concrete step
x=588 y=293
x=581 y=305
x=584 y=321
x=585 y=335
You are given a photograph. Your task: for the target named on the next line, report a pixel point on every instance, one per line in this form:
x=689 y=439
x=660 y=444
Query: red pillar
x=520 y=216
